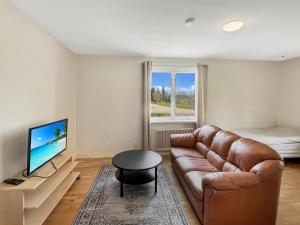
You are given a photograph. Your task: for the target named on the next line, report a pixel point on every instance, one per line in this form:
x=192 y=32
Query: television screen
x=45 y=142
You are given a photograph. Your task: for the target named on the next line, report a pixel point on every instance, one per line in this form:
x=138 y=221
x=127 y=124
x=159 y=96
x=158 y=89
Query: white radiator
x=162 y=137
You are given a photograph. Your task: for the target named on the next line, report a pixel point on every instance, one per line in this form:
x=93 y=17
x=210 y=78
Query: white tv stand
x=31 y=202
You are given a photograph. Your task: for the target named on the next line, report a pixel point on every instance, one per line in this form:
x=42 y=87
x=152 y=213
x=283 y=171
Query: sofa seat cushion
x=186 y=164
x=178 y=152
x=194 y=182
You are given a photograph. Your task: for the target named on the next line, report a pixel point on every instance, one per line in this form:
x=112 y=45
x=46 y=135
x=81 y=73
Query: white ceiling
x=156 y=27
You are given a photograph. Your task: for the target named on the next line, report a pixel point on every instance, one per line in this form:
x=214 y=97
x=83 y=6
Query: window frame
x=173 y=118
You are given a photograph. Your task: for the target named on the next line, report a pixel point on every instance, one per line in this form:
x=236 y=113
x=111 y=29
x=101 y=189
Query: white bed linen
x=285 y=140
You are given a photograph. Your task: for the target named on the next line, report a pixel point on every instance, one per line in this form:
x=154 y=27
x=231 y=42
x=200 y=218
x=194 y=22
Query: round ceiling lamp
x=233 y=25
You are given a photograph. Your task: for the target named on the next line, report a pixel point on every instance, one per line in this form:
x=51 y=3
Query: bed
x=285 y=140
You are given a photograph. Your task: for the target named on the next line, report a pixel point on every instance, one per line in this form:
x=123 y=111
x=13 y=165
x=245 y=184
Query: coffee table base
x=137 y=177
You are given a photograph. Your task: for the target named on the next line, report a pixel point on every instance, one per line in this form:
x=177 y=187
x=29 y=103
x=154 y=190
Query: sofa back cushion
x=206 y=134
x=220 y=147
x=215 y=160
x=246 y=153
x=222 y=143
x=200 y=147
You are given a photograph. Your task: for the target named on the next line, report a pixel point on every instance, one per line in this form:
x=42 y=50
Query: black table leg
x=155 y=179
x=121 y=183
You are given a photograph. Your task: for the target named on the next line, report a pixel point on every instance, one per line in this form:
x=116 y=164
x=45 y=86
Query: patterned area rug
x=139 y=206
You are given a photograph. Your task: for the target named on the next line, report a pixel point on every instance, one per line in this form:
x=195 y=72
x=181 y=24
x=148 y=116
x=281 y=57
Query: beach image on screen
x=46 y=142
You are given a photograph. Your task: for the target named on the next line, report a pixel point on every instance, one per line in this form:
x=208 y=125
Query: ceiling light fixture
x=189 y=22
x=233 y=25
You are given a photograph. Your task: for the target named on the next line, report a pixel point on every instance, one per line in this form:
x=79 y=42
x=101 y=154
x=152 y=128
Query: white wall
x=37 y=85
x=109 y=109
x=242 y=94
x=289 y=94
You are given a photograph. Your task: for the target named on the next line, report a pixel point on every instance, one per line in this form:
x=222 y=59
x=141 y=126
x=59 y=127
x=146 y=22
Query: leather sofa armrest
x=225 y=181
x=183 y=140
x=240 y=198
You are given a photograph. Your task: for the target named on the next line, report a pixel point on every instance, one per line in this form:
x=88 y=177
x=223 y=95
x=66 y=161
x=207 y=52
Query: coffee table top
x=136 y=160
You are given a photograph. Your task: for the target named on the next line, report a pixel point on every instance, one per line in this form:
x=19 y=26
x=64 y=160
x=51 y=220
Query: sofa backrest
x=204 y=137
x=206 y=134
x=222 y=142
x=228 y=152
x=220 y=147
x=245 y=154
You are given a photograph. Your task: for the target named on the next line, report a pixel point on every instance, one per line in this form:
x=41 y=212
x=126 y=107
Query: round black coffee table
x=135 y=167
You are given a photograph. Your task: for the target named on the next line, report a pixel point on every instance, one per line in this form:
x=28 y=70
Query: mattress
x=285 y=140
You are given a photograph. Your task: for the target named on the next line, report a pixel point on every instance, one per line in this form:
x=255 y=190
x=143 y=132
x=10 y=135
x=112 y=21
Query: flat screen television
x=45 y=142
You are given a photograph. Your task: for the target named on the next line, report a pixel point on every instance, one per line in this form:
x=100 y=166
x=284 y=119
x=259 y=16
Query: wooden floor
x=63 y=214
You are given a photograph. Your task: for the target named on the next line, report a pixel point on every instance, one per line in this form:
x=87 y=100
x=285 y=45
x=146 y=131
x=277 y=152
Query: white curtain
x=147 y=102
x=202 y=94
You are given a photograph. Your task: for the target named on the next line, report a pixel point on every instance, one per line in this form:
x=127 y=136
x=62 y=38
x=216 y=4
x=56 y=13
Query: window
x=161 y=94
x=173 y=95
x=185 y=95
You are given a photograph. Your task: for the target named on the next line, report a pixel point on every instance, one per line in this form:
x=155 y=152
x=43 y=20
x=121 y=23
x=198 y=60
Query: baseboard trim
x=91 y=156
x=97 y=156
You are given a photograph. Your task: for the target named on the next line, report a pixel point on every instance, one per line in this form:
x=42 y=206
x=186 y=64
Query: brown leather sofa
x=229 y=180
